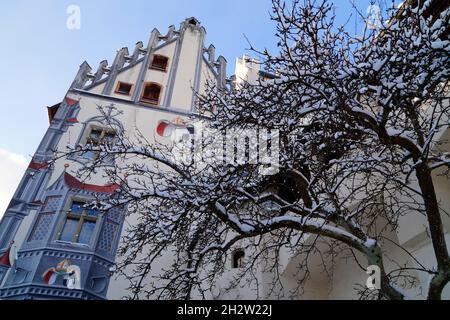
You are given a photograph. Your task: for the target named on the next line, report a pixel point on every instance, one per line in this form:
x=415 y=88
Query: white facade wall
x=247 y=70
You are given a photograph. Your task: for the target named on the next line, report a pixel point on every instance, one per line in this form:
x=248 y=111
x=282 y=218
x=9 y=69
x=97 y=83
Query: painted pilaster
x=36 y=176
x=174 y=68
x=198 y=67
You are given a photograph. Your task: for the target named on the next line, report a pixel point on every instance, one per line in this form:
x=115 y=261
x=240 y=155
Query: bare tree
x=356 y=120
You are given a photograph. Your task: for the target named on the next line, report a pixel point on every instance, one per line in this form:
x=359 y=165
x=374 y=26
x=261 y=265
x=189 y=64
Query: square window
x=124 y=88
x=159 y=63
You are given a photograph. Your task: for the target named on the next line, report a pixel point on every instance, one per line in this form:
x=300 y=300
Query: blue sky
x=39 y=56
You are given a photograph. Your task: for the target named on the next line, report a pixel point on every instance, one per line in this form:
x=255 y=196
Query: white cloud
x=12 y=168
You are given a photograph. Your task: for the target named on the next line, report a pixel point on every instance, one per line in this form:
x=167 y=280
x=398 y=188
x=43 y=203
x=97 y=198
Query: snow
x=317 y=224
x=439 y=44
x=403 y=292
x=378 y=64
x=370 y=243
x=244 y=227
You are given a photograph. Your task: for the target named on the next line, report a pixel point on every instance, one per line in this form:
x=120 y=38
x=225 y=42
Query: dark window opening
x=238 y=259
x=151 y=94
x=124 y=88
x=159 y=63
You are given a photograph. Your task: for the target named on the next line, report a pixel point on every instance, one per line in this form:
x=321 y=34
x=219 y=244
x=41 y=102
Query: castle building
x=51 y=247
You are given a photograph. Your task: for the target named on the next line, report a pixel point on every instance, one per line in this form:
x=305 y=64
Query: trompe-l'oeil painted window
x=97 y=137
x=79 y=224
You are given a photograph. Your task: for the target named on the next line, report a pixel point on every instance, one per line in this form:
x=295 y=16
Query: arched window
x=159 y=63
x=238 y=259
x=151 y=93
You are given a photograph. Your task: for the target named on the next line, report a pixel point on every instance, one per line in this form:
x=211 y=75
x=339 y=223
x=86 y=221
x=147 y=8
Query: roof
x=52 y=112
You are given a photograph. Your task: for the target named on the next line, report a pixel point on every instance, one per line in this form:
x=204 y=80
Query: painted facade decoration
x=5 y=259
x=70 y=274
x=166 y=128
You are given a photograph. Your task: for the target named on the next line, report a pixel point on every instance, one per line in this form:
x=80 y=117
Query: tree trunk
x=435 y=225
